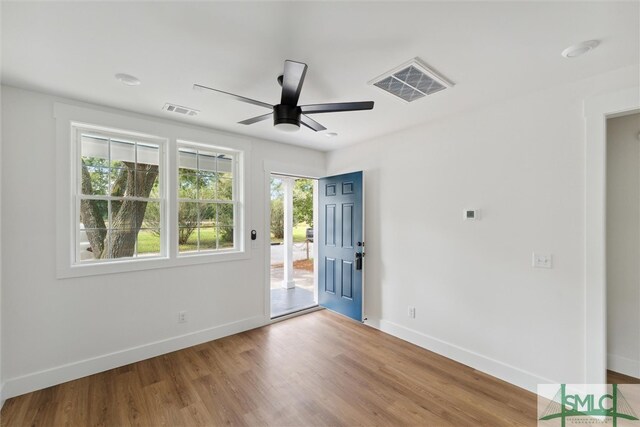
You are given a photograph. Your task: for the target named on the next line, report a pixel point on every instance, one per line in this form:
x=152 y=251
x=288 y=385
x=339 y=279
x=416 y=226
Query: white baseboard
x=623 y=365
x=60 y=374
x=503 y=371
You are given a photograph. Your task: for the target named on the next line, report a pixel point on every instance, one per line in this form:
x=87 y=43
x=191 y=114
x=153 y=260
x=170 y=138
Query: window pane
x=94 y=213
x=95 y=179
x=119 y=178
x=123 y=151
x=225 y=214
x=225 y=235
x=94 y=147
x=188 y=214
x=207 y=186
x=187 y=159
x=127 y=214
x=155 y=190
x=122 y=242
x=145 y=178
x=225 y=165
x=208 y=214
x=147 y=154
x=207 y=238
x=207 y=161
x=151 y=217
x=187 y=184
x=225 y=189
x=91 y=243
x=149 y=241
x=188 y=239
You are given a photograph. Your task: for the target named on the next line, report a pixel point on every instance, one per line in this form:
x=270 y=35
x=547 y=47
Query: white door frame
x=597 y=110
x=278 y=168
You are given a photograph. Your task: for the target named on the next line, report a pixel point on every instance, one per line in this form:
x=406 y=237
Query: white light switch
x=541 y=260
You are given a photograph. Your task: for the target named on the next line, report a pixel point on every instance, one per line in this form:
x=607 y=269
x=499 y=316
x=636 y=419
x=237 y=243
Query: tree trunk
x=127 y=216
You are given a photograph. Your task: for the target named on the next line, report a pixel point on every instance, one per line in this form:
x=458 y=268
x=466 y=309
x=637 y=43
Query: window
x=207 y=199
x=134 y=194
x=119 y=197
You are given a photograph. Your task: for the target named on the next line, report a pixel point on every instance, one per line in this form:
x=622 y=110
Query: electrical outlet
x=412 y=312
x=182 y=316
x=542 y=260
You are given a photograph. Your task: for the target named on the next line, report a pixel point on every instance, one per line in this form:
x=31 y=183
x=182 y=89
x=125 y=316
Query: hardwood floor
x=316 y=369
x=617 y=378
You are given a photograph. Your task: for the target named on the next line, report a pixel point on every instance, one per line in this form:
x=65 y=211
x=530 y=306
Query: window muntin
x=119 y=209
x=207 y=200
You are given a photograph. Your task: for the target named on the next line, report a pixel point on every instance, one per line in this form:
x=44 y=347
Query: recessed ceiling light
x=128 y=79
x=330 y=134
x=580 y=48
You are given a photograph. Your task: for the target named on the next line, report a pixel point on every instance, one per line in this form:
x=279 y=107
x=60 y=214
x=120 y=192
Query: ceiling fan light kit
x=288 y=115
x=286 y=118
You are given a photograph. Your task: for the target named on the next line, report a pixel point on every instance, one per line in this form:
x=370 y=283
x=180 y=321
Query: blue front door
x=340 y=244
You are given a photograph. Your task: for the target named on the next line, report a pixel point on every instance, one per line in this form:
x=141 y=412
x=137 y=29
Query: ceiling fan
x=288 y=115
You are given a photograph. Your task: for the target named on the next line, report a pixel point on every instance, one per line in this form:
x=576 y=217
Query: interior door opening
x=293 y=275
x=623 y=249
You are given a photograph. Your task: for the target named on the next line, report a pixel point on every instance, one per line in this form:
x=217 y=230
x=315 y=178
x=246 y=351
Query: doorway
x=597 y=110
x=623 y=248
x=292 y=250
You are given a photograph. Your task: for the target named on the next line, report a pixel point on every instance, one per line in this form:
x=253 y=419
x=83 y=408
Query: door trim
x=596 y=111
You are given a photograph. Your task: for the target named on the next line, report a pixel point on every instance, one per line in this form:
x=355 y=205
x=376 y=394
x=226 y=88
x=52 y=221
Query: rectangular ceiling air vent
x=173 y=108
x=411 y=80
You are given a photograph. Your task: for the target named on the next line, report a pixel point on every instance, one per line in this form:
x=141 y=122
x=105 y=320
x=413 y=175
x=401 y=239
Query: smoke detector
x=411 y=81
x=174 y=108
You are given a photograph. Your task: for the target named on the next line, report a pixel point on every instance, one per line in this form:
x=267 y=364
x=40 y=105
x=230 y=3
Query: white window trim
x=67 y=115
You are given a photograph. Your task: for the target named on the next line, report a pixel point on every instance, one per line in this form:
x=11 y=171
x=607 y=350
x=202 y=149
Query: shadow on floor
x=284 y=301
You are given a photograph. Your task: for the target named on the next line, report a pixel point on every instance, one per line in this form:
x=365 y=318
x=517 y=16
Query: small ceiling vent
x=411 y=80
x=173 y=108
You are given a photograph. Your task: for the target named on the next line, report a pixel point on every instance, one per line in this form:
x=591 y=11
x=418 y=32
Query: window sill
x=128 y=265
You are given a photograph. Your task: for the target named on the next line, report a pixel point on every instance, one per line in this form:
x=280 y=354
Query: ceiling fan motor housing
x=286 y=114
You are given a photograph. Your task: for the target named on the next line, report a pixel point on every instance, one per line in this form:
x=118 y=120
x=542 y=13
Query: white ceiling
x=491 y=51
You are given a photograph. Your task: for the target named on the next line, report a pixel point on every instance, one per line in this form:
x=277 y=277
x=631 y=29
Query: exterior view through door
x=292 y=244
x=340 y=244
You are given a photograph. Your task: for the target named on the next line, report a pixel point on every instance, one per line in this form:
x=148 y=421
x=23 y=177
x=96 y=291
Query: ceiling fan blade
x=234 y=96
x=293 y=78
x=311 y=124
x=336 y=107
x=257 y=119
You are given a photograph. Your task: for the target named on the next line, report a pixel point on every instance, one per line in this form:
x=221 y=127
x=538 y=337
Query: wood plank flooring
x=316 y=369
x=617 y=378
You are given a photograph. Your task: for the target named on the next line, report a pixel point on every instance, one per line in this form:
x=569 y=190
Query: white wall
x=623 y=244
x=1 y=377
x=478 y=299
x=62 y=329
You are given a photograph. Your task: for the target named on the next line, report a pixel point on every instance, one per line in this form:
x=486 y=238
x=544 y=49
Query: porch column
x=288 y=282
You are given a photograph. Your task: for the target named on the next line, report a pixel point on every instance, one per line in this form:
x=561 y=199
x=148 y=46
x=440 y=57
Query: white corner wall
x=478 y=300
x=623 y=244
x=68 y=328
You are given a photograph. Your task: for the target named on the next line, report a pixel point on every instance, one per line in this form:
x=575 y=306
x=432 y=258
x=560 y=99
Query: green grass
x=299 y=234
x=149 y=242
